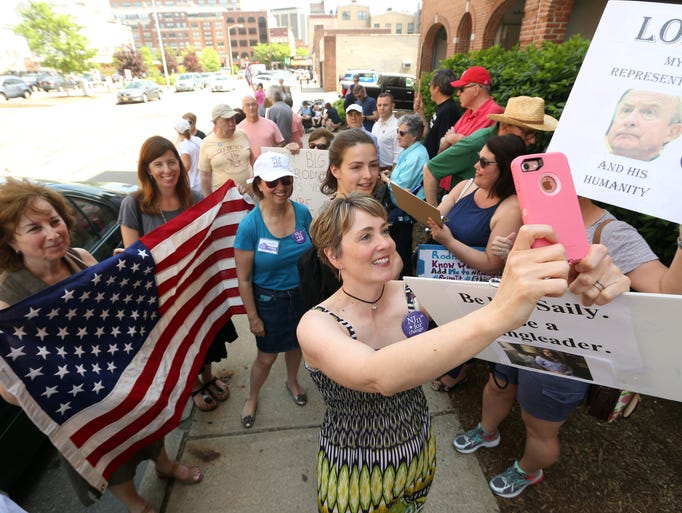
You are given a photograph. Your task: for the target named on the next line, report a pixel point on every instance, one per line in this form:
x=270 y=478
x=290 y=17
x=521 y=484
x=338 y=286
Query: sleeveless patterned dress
x=377 y=454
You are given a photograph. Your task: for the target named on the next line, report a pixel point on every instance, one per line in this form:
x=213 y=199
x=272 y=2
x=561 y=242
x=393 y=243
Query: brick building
x=459 y=26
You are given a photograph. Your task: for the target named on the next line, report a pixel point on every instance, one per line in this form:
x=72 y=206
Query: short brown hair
x=329 y=227
x=17 y=197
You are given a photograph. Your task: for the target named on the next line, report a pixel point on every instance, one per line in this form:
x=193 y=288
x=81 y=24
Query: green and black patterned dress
x=377 y=453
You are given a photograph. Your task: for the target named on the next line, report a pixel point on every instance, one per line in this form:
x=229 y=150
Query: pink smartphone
x=547 y=196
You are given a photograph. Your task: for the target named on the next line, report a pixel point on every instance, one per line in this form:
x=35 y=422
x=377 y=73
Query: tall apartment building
x=194 y=23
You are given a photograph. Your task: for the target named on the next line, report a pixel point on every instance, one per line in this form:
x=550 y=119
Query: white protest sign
x=621 y=128
x=435 y=261
x=632 y=343
x=310 y=168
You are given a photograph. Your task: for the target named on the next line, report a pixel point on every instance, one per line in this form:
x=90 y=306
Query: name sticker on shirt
x=415 y=323
x=268 y=246
x=298 y=236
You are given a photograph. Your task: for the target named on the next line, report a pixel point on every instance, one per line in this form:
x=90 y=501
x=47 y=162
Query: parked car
x=56 y=83
x=223 y=83
x=33 y=77
x=187 y=82
x=400 y=85
x=97 y=230
x=139 y=91
x=13 y=87
x=368 y=77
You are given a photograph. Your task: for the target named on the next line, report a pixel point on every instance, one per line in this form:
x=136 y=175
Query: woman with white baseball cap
x=269 y=241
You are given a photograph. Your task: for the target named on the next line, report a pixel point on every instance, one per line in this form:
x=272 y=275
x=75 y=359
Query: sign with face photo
x=622 y=123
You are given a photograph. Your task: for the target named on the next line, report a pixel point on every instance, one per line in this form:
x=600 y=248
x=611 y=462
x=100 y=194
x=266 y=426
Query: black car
x=97 y=230
x=400 y=85
x=13 y=87
x=56 y=83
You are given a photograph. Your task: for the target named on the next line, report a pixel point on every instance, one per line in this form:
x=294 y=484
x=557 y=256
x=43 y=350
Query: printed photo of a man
x=643 y=123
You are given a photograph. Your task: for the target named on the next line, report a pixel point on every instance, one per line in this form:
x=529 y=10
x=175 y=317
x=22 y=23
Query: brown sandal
x=203 y=400
x=195 y=475
x=217 y=392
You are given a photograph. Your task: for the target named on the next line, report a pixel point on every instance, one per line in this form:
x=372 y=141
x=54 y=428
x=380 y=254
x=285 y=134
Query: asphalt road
x=89 y=138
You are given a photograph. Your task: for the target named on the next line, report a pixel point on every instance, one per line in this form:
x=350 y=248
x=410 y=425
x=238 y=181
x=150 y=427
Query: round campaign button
x=415 y=323
x=298 y=236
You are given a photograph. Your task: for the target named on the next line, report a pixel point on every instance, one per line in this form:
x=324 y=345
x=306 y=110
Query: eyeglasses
x=461 y=89
x=484 y=162
x=285 y=180
x=402 y=133
x=319 y=146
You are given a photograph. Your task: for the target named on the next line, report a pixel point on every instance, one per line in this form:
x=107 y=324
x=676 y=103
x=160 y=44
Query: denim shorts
x=280 y=311
x=545 y=397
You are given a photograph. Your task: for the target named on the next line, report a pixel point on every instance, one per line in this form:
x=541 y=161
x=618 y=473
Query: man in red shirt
x=473 y=91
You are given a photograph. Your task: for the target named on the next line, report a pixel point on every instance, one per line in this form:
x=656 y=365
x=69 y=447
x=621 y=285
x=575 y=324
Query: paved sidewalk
x=271 y=467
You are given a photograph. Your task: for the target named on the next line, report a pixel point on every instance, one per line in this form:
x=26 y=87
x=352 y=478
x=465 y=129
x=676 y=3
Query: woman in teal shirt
x=268 y=243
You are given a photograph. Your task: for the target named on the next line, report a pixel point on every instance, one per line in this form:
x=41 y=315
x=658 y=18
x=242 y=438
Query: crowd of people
x=327 y=291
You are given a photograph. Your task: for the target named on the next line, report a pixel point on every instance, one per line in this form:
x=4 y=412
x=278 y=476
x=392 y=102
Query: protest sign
x=631 y=343
x=435 y=261
x=621 y=125
x=310 y=168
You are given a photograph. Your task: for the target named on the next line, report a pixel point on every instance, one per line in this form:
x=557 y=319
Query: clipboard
x=417 y=208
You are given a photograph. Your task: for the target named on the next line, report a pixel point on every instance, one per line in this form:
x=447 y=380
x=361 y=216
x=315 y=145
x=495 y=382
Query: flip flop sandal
x=193 y=477
x=438 y=385
x=209 y=403
x=218 y=393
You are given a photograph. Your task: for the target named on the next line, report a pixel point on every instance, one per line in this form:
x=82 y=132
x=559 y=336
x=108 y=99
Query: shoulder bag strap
x=597 y=233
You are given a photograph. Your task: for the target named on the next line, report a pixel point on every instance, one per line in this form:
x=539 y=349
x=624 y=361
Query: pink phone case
x=547 y=196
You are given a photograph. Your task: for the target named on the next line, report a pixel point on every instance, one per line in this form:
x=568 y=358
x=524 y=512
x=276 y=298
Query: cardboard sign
x=631 y=343
x=310 y=168
x=621 y=128
x=416 y=207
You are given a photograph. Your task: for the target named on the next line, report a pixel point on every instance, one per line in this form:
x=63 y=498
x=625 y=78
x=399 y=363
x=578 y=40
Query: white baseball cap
x=270 y=166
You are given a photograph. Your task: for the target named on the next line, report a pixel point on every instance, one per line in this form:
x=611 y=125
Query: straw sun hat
x=526 y=112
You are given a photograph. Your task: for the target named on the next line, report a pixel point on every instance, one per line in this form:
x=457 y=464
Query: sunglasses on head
x=286 y=181
x=318 y=146
x=484 y=162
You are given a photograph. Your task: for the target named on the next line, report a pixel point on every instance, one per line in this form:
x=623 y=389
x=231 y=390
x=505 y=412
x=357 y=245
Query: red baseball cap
x=474 y=75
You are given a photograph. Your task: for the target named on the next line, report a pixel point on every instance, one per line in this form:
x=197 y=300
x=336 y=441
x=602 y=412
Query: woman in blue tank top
x=477 y=210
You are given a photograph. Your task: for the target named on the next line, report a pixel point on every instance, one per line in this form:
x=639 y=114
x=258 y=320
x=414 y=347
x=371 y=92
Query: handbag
x=606 y=403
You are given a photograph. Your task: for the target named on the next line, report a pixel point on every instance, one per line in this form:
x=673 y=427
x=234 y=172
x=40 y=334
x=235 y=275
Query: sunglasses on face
x=286 y=181
x=402 y=133
x=318 y=146
x=484 y=162
x=461 y=89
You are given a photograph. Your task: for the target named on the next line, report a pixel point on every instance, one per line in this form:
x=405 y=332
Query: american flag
x=104 y=361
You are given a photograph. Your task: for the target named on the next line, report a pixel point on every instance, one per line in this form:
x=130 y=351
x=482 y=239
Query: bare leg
x=127 y=494
x=293 y=362
x=497 y=403
x=166 y=467
x=542 y=443
x=259 y=373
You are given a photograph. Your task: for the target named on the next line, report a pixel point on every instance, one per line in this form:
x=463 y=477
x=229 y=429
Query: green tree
x=54 y=38
x=271 y=52
x=147 y=55
x=302 y=51
x=210 y=60
x=127 y=57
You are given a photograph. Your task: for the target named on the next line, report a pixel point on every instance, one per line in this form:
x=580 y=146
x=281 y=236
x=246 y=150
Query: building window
x=377 y=25
x=410 y=28
x=398 y=28
x=242 y=43
x=253 y=42
x=252 y=31
x=345 y=15
x=252 y=19
x=362 y=15
x=240 y=19
x=230 y=20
